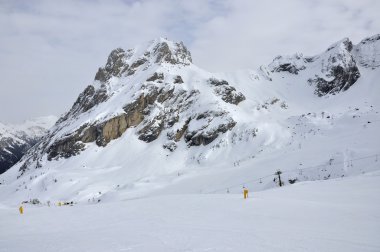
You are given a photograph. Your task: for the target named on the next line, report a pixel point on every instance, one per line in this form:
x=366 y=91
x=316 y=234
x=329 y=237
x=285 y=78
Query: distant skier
x=245 y=192
x=21 y=209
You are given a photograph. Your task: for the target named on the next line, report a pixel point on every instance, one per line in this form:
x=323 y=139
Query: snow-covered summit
x=157 y=51
x=367 y=52
x=330 y=72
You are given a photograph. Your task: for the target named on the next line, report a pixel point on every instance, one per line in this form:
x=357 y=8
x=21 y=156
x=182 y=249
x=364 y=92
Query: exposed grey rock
x=171 y=146
x=345 y=42
x=136 y=65
x=17 y=139
x=115 y=66
x=156 y=76
x=66 y=148
x=178 y=80
x=177 y=135
x=226 y=92
x=292 y=64
x=339 y=72
x=205 y=137
x=151 y=131
x=342 y=80
x=338 y=69
x=288 y=67
x=367 y=52
x=201 y=130
x=11 y=151
x=177 y=55
x=86 y=100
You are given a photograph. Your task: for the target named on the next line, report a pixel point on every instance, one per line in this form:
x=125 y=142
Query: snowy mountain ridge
x=152 y=120
x=16 y=139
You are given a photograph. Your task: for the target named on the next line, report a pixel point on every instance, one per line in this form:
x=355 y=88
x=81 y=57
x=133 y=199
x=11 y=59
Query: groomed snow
x=333 y=215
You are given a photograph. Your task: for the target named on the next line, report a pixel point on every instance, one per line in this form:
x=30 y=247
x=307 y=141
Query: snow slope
x=333 y=215
x=141 y=130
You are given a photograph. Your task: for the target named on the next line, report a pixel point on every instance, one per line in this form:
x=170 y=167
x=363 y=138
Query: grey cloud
x=256 y=31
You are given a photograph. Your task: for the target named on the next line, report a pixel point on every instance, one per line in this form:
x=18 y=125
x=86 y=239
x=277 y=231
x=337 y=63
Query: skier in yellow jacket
x=21 y=209
x=245 y=192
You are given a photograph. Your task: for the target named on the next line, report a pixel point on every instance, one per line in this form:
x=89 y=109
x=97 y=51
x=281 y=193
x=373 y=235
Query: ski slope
x=332 y=215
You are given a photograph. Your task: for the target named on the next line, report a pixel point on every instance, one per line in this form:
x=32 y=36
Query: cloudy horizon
x=51 y=50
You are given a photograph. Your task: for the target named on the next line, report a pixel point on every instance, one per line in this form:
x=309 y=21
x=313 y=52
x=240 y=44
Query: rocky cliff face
x=155 y=91
x=333 y=71
x=12 y=150
x=367 y=52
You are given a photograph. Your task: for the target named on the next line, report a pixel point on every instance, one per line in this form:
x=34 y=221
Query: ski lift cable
x=293 y=170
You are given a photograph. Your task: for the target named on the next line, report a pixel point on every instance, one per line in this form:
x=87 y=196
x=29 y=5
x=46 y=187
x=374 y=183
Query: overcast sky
x=50 y=50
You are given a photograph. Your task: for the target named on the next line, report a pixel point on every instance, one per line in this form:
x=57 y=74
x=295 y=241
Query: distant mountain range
x=16 y=139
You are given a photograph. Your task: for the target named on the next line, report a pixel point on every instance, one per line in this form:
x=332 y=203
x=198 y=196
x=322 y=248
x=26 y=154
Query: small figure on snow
x=245 y=192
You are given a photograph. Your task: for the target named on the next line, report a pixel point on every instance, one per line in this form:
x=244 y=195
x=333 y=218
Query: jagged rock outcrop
x=11 y=151
x=226 y=92
x=342 y=79
x=156 y=77
x=337 y=68
x=207 y=126
x=367 y=52
x=180 y=54
x=121 y=63
x=178 y=80
x=292 y=64
x=115 y=66
x=89 y=98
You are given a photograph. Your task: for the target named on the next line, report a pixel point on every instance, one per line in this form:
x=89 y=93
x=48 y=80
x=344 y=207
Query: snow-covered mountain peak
x=338 y=55
x=166 y=51
x=371 y=40
x=341 y=45
x=34 y=127
x=31 y=125
x=367 y=52
x=330 y=72
x=159 y=51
